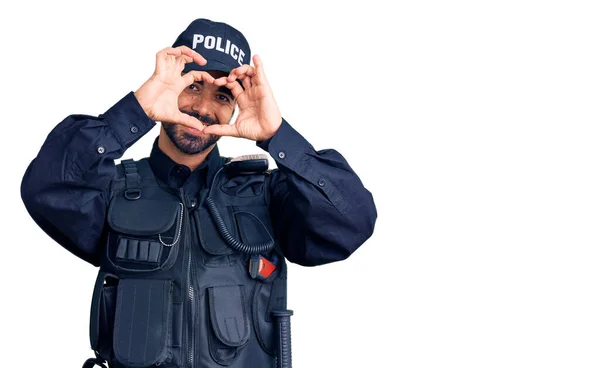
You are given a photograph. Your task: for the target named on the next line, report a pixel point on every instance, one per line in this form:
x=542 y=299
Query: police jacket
x=191 y=263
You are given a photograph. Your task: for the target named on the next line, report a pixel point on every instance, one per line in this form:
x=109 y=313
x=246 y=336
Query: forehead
x=217 y=73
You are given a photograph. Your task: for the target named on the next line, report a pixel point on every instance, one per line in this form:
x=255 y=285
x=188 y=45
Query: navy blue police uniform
x=192 y=264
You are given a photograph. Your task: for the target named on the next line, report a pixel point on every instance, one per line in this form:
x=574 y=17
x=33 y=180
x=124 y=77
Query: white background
x=475 y=124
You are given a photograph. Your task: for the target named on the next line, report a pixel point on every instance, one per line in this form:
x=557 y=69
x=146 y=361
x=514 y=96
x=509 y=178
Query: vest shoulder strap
x=137 y=174
x=130 y=166
x=248 y=164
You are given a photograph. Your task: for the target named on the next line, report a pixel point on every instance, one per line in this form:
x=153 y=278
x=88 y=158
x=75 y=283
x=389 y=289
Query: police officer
x=191 y=245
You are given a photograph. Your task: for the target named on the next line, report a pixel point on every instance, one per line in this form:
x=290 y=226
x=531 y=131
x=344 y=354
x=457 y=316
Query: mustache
x=203 y=118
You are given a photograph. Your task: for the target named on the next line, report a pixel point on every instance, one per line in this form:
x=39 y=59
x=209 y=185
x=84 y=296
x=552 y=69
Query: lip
x=194 y=131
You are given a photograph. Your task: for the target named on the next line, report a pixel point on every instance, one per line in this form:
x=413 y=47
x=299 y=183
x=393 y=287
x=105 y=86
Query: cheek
x=184 y=99
x=224 y=114
x=181 y=101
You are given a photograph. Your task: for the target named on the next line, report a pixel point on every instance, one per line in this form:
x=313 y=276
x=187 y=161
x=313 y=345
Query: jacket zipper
x=191 y=312
x=190 y=285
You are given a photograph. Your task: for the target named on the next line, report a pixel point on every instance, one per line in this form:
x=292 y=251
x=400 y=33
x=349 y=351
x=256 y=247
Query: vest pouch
x=216 y=252
x=254 y=223
x=266 y=298
x=103 y=314
x=144 y=234
x=229 y=323
x=210 y=238
x=143 y=327
x=248 y=224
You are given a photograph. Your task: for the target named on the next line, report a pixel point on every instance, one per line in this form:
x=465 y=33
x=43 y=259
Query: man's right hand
x=159 y=95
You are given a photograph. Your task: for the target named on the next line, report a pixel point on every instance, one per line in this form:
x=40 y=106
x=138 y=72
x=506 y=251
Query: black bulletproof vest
x=172 y=290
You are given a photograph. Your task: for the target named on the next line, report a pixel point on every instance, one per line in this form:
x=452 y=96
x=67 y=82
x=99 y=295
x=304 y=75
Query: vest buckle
x=133 y=194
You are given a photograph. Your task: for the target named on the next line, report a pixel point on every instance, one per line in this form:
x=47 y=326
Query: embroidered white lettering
x=209 y=42
x=219 y=48
x=212 y=42
x=198 y=38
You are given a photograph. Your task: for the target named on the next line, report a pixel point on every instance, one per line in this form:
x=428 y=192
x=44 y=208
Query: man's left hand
x=259 y=116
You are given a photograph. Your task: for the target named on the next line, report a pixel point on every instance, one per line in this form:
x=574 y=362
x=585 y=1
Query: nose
x=202 y=105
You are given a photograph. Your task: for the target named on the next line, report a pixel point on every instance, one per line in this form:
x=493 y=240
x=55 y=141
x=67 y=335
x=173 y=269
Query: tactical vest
x=190 y=281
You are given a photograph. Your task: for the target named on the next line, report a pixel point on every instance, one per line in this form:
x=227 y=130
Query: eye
x=223 y=98
x=192 y=86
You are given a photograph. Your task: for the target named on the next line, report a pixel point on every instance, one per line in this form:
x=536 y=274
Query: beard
x=189 y=143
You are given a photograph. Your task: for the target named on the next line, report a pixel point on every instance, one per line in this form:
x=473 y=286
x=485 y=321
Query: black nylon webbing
x=132 y=178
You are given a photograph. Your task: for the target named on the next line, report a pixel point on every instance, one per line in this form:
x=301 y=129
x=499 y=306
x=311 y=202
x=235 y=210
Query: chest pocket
x=145 y=233
x=242 y=218
x=253 y=222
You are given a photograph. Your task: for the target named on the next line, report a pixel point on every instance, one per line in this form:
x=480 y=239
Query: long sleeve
x=320 y=210
x=65 y=187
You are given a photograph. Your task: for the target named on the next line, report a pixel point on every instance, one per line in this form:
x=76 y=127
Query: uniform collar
x=176 y=175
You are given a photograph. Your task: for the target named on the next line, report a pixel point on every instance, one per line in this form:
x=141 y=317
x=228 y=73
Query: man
x=227 y=223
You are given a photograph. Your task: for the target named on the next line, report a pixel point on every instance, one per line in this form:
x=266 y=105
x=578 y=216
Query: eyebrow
x=226 y=91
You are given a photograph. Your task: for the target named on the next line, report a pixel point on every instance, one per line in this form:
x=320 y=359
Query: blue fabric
x=321 y=212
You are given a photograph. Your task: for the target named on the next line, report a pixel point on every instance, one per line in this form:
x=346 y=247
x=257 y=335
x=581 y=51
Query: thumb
x=190 y=121
x=222 y=129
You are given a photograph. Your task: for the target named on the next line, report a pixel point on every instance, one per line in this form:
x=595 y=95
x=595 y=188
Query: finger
x=261 y=78
x=239 y=71
x=246 y=81
x=165 y=50
x=174 y=51
x=164 y=57
x=236 y=88
x=190 y=121
x=202 y=75
x=179 y=56
x=222 y=129
x=182 y=59
x=185 y=58
x=199 y=59
x=197 y=75
x=221 y=81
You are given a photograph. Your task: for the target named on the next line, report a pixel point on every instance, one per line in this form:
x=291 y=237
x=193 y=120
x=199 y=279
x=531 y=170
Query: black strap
x=90 y=363
x=131 y=173
x=132 y=179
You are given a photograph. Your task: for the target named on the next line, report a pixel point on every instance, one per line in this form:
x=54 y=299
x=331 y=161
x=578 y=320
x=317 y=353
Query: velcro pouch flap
x=210 y=238
x=229 y=315
x=142 y=216
x=255 y=223
x=143 y=317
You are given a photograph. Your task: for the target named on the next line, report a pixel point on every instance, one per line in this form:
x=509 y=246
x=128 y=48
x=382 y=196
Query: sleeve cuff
x=128 y=120
x=286 y=146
